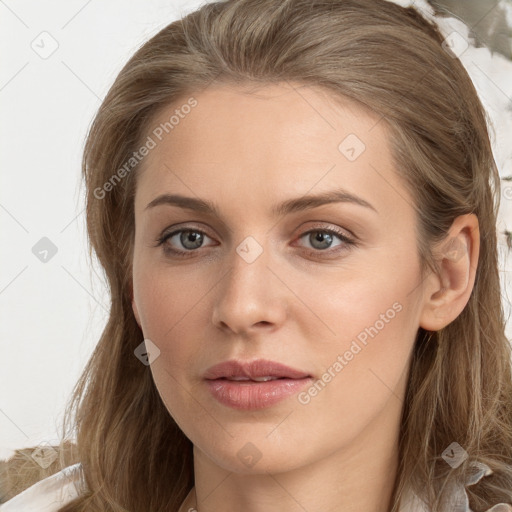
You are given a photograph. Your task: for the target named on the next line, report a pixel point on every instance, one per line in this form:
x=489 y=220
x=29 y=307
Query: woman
x=295 y=205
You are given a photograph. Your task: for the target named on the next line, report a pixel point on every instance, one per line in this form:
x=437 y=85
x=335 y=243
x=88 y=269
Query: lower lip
x=249 y=395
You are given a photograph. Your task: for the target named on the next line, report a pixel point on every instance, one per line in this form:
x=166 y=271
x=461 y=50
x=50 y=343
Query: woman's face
x=305 y=256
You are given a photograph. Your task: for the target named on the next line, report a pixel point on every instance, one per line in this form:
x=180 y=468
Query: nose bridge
x=247 y=294
x=249 y=270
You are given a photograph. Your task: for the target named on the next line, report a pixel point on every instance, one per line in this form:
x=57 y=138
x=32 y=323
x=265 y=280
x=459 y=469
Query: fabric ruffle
x=459 y=501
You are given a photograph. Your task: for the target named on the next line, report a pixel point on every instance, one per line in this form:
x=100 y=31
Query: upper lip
x=256 y=368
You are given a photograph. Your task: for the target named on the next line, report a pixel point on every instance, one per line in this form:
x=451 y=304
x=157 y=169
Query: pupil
x=191 y=239
x=325 y=240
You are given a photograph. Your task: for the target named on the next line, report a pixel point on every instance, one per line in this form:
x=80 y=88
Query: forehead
x=269 y=142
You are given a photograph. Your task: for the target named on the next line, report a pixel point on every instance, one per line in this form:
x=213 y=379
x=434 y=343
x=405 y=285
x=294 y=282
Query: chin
x=242 y=456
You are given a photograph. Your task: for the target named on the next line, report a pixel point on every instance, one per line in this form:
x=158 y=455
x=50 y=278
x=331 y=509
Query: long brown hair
x=391 y=60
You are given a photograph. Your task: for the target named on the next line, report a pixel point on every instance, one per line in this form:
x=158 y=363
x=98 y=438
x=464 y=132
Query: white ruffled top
x=51 y=493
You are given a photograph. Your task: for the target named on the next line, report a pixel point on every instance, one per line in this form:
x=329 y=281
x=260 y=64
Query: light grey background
x=52 y=313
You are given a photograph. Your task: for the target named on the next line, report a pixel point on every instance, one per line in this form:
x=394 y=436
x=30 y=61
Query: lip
x=249 y=394
x=255 y=368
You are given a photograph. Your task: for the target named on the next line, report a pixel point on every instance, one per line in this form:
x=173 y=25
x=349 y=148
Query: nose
x=250 y=298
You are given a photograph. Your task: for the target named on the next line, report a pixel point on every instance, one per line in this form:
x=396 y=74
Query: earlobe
x=447 y=293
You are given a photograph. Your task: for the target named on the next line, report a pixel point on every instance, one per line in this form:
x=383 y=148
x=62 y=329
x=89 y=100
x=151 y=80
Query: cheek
x=373 y=323
x=173 y=309
x=364 y=306
x=164 y=297
x=166 y=304
x=364 y=370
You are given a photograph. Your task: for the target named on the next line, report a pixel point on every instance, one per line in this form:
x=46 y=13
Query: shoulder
x=49 y=494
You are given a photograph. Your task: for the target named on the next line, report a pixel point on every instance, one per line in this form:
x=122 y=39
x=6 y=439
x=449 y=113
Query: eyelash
x=347 y=242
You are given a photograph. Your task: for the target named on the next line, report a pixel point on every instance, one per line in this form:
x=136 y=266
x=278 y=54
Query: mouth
x=252 y=379
x=254 y=385
x=259 y=370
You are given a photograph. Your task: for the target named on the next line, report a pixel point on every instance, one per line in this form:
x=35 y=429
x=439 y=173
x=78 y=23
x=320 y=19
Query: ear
x=447 y=292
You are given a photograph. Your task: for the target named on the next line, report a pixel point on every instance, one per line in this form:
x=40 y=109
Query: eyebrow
x=286 y=207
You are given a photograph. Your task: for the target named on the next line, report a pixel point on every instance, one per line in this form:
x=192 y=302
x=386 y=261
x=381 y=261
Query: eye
x=183 y=240
x=323 y=239
x=186 y=241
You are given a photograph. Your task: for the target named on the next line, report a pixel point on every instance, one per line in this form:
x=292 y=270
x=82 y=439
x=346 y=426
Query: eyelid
x=346 y=235
x=316 y=226
x=186 y=226
x=346 y=242
x=347 y=239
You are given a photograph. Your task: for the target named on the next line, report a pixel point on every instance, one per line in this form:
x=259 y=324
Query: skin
x=295 y=303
